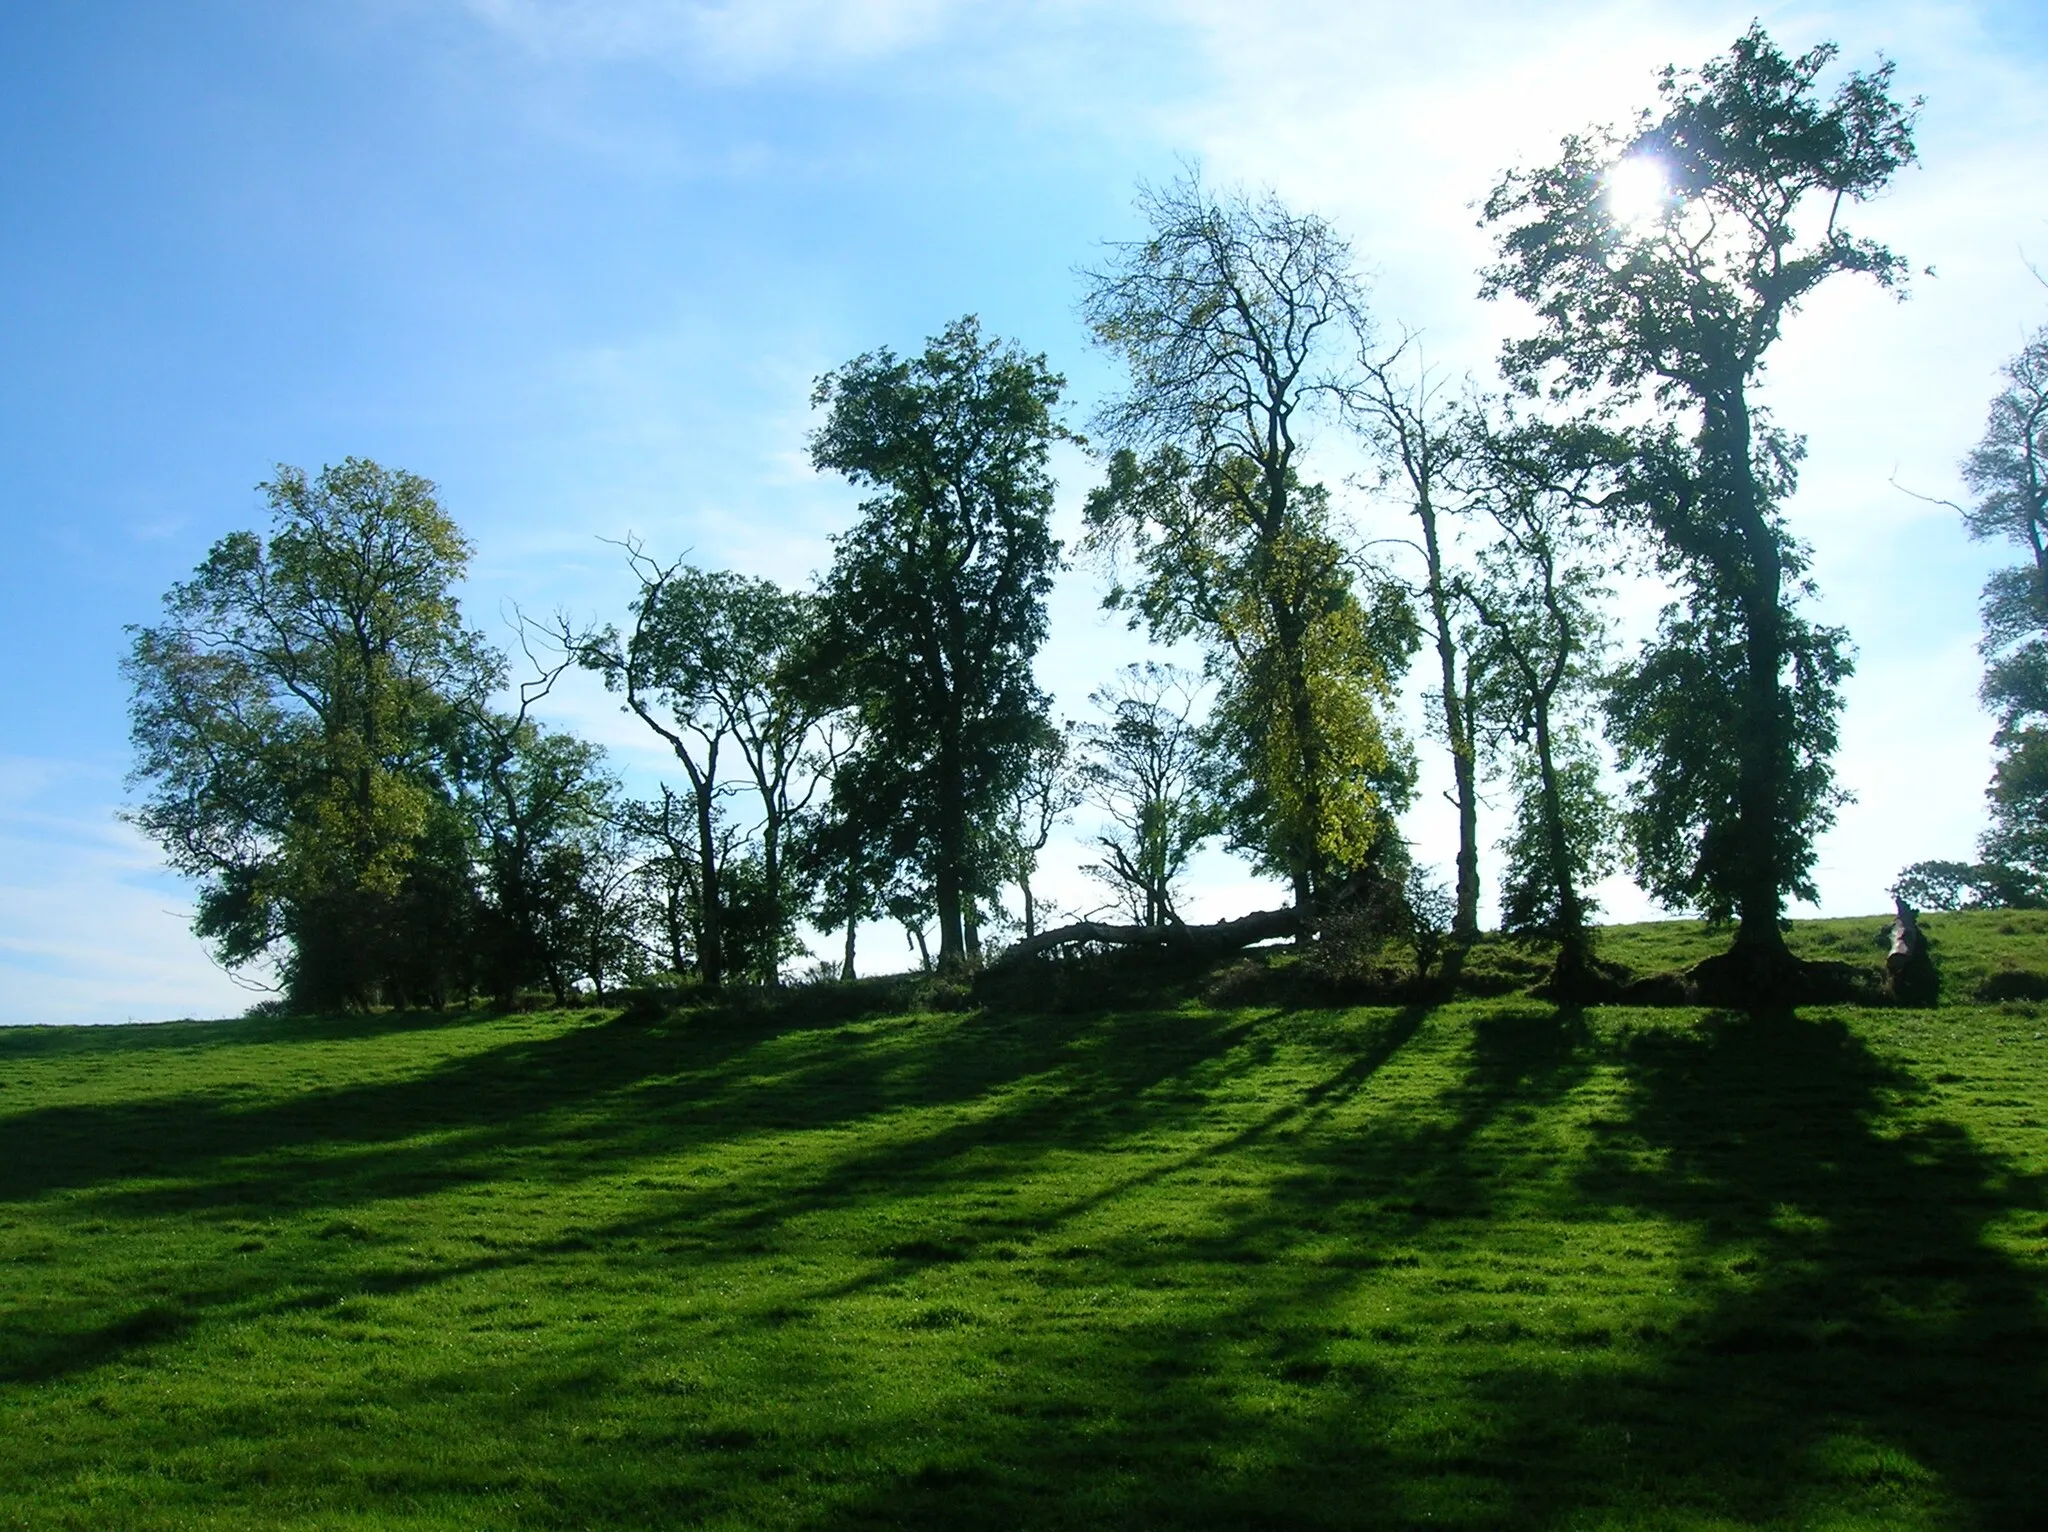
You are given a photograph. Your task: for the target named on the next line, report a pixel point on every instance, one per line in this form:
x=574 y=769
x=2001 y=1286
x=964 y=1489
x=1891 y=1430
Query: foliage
x=1308 y=769
x=1667 y=715
x=1144 y=769
x=2008 y=473
x=1939 y=885
x=1534 y=648
x=1679 y=310
x=1045 y=797
x=547 y=814
x=1422 y=445
x=936 y=597
x=720 y=664
x=1236 y=322
x=291 y=717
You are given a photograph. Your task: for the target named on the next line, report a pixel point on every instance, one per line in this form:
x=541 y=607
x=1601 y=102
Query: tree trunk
x=1763 y=742
x=771 y=877
x=1569 y=974
x=948 y=875
x=1457 y=731
x=1030 y=909
x=1223 y=936
x=711 y=938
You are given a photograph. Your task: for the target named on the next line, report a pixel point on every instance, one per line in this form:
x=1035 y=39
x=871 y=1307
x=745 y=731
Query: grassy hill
x=1177 y=1264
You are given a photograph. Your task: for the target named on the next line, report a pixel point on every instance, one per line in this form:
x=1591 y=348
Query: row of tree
x=332 y=752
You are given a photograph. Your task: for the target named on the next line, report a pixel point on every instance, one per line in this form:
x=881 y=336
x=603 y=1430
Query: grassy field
x=1490 y=1264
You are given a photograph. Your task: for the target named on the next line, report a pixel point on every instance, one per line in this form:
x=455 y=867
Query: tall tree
x=291 y=717
x=718 y=665
x=665 y=668
x=936 y=596
x=2007 y=473
x=1421 y=443
x=1663 y=264
x=1538 y=629
x=544 y=807
x=1237 y=321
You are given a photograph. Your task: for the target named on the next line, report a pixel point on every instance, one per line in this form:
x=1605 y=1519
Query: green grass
x=1487 y=1265
x=1968 y=946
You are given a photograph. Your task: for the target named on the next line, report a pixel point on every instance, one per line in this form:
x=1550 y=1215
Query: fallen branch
x=1223 y=936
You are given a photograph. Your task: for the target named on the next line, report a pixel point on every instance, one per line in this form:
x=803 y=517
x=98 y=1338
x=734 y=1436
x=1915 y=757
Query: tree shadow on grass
x=1849 y=1342
x=1855 y=1328
x=592 y=1100
x=1843 y=1332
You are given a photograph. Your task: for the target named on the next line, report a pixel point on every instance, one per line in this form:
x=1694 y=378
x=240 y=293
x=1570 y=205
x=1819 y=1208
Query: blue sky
x=579 y=262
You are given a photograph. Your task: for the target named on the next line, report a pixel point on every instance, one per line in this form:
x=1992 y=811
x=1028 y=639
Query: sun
x=1638 y=192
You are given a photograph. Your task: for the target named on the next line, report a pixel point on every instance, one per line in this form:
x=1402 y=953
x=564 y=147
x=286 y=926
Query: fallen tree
x=1223 y=936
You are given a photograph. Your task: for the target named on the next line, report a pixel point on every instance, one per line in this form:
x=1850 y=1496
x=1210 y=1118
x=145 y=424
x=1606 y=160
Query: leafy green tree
x=2007 y=471
x=1534 y=648
x=936 y=596
x=716 y=666
x=1673 y=301
x=1237 y=321
x=1143 y=768
x=544 y=808
x=291 y=718
x=670 y=898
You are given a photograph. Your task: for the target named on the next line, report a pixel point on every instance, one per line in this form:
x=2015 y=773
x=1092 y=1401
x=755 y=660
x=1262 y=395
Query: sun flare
x=1638 y=192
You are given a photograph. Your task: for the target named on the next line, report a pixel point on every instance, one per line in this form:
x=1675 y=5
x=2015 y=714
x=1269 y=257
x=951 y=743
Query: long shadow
x=1142 y=1436
x=1841 y=1288
x=1855 y=1298
x=1851 y=1327
x=655 y=1095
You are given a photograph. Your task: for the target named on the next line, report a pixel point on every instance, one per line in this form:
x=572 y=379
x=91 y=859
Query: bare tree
x=1144 y=769
x=1421 y=441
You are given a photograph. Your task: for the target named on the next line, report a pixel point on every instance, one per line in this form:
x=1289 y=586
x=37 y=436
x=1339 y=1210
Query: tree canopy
x=935 y=602
x=1674 y=304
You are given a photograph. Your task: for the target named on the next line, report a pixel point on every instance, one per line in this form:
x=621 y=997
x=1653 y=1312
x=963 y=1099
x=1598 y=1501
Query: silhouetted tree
x=1143 y=767
x=1540 y=625
x=1674 y=302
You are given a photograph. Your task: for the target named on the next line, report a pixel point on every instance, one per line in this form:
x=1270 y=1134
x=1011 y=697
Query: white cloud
x=738 y=36
x=91 y=928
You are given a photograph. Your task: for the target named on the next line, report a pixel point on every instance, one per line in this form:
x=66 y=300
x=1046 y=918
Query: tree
x=1423 y=444
x=291 y=717
x=718 y=661
x=1144 y=769
x=1663 y=265
x=1538 y=604
x=1045 y=797
x=544 y=808
x=1237 y=321
x=2008 y=473
x=667 y=874
x=936 y=596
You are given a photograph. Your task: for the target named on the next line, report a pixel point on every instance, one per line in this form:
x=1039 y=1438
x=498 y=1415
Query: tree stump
x=1909 y=974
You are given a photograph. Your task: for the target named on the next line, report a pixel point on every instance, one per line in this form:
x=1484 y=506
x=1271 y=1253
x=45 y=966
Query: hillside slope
x=1487 y=1265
